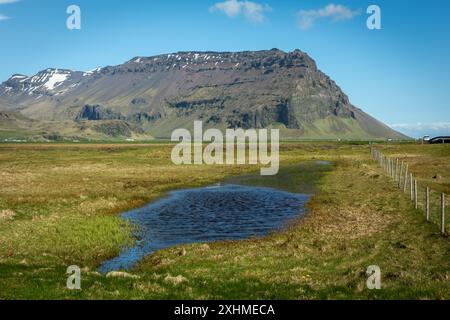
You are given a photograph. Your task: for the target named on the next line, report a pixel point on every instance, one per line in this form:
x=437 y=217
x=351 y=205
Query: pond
x=233 y=211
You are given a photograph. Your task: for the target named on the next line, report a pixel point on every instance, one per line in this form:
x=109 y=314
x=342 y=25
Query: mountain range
x=149 y=97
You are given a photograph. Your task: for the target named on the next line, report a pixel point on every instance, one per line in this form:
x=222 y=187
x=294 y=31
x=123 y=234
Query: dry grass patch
x=7 y=214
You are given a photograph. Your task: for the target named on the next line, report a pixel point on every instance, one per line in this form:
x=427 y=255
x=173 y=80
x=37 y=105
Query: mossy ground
x=67 y=199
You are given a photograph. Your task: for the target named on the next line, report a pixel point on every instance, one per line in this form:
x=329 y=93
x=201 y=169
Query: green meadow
x=60 y=206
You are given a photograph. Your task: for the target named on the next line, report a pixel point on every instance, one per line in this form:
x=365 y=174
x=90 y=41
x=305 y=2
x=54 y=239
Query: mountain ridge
x=157 y=94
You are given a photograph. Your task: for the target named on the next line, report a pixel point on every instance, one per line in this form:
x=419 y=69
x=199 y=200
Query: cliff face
x=226 y=90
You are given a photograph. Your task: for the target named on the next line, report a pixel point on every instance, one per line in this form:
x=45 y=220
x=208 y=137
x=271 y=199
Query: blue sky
x=400 y=74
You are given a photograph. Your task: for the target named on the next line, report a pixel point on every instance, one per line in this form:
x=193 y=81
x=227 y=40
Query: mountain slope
x=155 y=95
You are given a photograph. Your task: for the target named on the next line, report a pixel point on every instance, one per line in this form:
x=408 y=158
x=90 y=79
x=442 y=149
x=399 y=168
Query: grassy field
x=429 y=165
x=59 y=206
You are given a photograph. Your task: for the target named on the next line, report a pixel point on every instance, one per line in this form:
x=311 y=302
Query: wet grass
x=67 y=197
x=299 y=178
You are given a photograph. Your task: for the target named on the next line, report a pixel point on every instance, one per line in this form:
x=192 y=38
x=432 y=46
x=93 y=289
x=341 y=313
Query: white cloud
x=250 y=10
x=3 y=17
x=8 y=1
x=335 y=12
x=420 y=129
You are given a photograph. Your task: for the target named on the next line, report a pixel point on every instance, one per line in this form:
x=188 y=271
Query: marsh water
x=226 y=212
x=230 y=211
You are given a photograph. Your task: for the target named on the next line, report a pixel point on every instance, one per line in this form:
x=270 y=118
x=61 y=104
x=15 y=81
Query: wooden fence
x=423 y=198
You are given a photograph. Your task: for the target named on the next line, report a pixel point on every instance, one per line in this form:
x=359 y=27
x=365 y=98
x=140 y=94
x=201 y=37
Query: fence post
x=411 y=184
x=427 y=203
x=396 y=170
x=392 y=168
x=389 y=167
x=415 y=195
x=400 y=175
x=405 y=187
x=443 y=214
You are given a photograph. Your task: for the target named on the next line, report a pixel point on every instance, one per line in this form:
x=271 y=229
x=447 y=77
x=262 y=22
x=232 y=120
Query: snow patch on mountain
x=55 y=80
x=91 y=72
x=18 y=77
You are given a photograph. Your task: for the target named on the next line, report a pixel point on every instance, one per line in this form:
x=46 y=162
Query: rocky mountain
x=151 y=96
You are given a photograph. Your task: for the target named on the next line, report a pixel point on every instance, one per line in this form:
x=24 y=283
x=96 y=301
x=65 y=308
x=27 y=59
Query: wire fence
x=432 y=203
